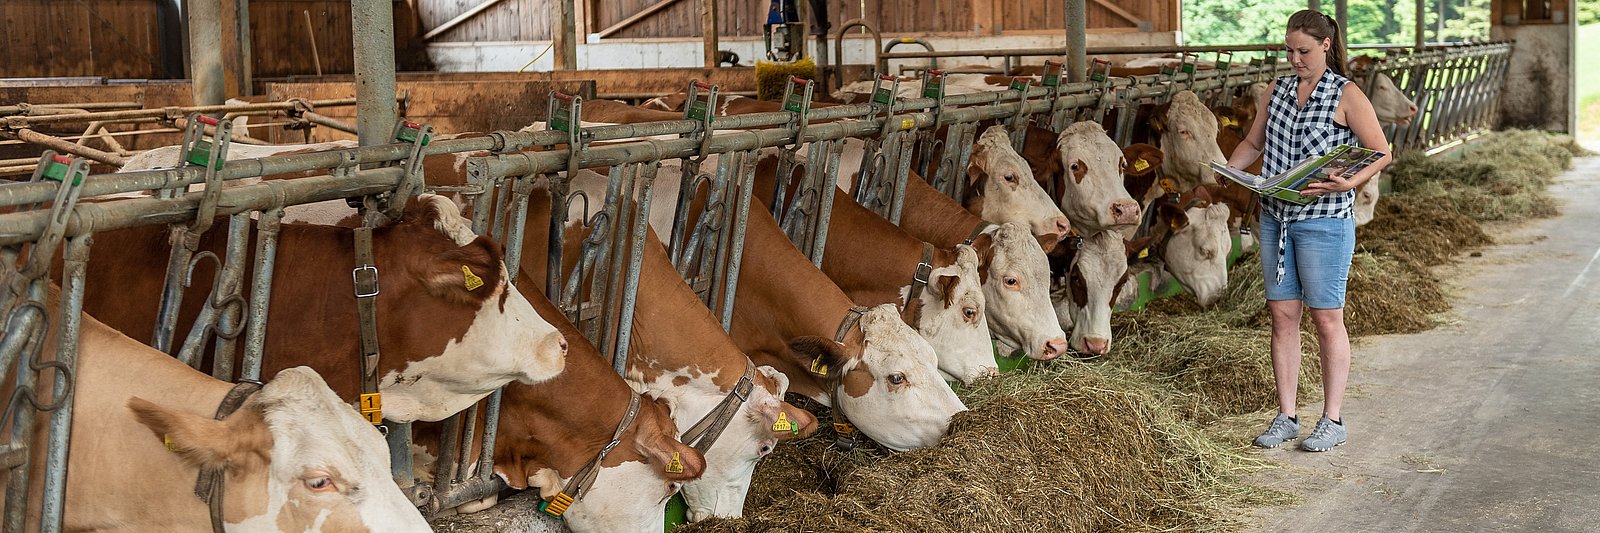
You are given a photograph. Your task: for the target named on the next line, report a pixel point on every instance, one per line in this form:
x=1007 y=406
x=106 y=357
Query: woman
x=1306 y=250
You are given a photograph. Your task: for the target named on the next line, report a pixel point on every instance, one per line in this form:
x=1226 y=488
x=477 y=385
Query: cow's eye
x=970 y=312
x=1011 y=179
x=1012 y=282
x=1076 y=166
x=897 y=379
x=321 y=484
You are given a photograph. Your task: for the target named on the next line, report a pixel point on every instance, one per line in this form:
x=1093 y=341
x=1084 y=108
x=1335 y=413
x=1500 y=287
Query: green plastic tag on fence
x=882 y=95
x=561 y=120
x=795 y=102
x=1019 y=84
x=698 y=111
x=56 y=171
x=200 y=154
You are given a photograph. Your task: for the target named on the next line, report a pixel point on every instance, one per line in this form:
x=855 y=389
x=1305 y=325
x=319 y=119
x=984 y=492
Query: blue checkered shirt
x=1295 y=134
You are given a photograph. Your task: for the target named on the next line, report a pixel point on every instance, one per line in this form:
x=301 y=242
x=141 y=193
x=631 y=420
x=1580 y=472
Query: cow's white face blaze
x=1197 y=254
x=1392 y=105
x=1092 y=194
x=1366 y=204
x=1189 y=141
x=731 y=460
x=893 y=393
x=1010 y=193
x=1018 y=290
x=628 y=497
x=1098 y=267
x=327 y=471
x=507 y=341
x=952 y=321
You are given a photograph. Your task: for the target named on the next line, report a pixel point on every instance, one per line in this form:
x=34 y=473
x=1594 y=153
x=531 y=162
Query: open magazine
x=1347 y=158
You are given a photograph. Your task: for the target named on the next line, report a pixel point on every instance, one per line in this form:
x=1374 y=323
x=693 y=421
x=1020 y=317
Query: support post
x=1077 y=43
x=708 y=31
x=1422 y=8
x=565 y=37
x=236 y=49
x=373 y=26
x=1314 y=4
x=205 y=51
x=1341 y=16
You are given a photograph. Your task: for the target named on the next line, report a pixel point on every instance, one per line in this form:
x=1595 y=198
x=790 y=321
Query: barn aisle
x=1485 y=423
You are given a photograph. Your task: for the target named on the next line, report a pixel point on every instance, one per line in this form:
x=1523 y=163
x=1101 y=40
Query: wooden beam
x=565 y=38
x=1123 y=13
x=708 y=31
x=658 y=6
x=983 y=17
x=440 y=29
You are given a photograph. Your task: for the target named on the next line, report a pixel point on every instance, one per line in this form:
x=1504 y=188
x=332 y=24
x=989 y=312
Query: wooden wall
x=54 y=38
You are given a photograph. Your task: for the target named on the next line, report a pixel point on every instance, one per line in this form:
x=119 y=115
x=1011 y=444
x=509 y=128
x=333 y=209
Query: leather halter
x=209 y=485
x=919 y=278
x=580 y=482
x=845 y=434
x=365 y=278
x=704 y=433
x=976 y=231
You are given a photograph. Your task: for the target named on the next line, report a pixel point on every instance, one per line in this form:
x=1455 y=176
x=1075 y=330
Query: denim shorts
x=1316 y=260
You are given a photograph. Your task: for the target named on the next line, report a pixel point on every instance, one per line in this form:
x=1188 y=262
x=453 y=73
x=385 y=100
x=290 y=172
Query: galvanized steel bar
x=630 y=291
x=54 y=501
x=261 y=292
x=742 y=195
x=373 y=27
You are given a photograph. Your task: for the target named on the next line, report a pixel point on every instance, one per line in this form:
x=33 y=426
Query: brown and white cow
x=1086 y=169
x=1096 y=274
x=1186 y=131
x=1390 y=103
x=298 y=458
x=1006 y=253
x=884 y=375
x=1192 y=240
x=445 y=343
x=681 y=356
x=1002 y=187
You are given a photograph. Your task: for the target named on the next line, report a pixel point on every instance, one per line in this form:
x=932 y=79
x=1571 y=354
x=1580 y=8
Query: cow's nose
x=1096 y=345
x=1125 y=212
x=1053 y=348
x=1062 y=225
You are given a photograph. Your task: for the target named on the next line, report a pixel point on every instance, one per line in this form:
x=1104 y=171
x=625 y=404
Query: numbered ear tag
x=843 y=428
x=675 y=466
x=166 y=440
x=1144 y=253
x=1140 y=164
x=556 y=506
x=783 y=423
x=818 y=368
x=470 y=280
x=1168 y=185
x=372 y=407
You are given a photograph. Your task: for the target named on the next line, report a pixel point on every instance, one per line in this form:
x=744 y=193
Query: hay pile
x=1066 y=447
x=1502 y=177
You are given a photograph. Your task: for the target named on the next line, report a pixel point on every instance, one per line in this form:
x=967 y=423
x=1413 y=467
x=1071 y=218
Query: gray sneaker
x=1326 y=435
x=1282 y=429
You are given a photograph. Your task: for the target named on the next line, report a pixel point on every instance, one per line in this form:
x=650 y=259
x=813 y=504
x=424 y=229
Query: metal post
x=1421 y=28
x=1077 y=40
x=205 y=51
x=372 y=22
x=55 y=470
x=1341 y=16
x=1314 y=4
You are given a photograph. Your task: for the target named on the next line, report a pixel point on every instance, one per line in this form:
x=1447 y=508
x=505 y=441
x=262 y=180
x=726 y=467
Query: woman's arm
x=1363 y=121
x=1250 y=148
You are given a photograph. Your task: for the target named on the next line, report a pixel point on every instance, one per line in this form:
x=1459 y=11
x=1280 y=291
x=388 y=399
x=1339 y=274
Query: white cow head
x=1097 y=271
x=506 y=340
x=1188 y=131
x=1017 y=283
x=1390 y=103
x=1196 y=252
x=1367 y=200
x=1089 y=167
x=298 y=459
x=892 y=392
x=1003 y=188
x=952 y=319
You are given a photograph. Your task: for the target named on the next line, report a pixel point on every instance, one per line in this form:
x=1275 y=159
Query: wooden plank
x=1118 y=11
x=708 y=31
x=449 y=106
x=466 y=16
x=636 y=17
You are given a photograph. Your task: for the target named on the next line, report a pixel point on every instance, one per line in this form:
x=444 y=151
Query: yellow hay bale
x=773 y=76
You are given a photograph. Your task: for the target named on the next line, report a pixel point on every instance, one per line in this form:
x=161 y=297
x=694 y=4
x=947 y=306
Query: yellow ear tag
x=472 y=281
x=166 y=440
x=1144 y=253
x=1230 y=122
x=1140 y=164
x=372 y=407
x=1167 y=184
x=818 y=368
x=675 y=466
x=843 y=428
x=783 y=423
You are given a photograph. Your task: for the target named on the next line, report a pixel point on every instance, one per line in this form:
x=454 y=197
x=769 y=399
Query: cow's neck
x=934 y=217
x=870 y=258
x=676 y=332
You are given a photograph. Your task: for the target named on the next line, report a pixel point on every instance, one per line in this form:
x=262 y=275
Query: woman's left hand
x=1335 y=183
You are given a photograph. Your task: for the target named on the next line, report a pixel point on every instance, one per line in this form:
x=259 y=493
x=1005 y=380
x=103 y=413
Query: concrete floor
x=1489 y=423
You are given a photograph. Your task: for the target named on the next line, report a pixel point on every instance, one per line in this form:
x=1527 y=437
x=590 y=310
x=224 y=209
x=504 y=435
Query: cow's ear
x=1172 y=212
x=467 y=274
x=1133 y=247
x=821 y=357
x=802 y=422
x=236 y=443
x=675 y=460
x=944 y=286
x=977 y=166
x=1143 y=159
x=1049 y=241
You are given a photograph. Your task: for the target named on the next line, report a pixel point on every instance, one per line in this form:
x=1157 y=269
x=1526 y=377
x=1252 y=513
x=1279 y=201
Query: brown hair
x=1319 y=27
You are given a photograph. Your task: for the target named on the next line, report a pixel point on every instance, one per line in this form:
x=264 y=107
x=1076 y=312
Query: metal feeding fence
x=716 y=156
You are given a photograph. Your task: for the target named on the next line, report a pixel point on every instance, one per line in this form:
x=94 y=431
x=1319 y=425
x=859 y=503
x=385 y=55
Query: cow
x=1366 y=204
x=1191 y=240
x=1002 y=188
x=296 y=456
x=1083 y=169
x=681 y=355
x=1186 y=131
x=446 y=341
x=1097 y=272
x=1390 y=103
x=1006 y=253
x=167 y=156
x=883 y=375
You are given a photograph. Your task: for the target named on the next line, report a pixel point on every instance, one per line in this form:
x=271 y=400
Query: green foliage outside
x=1209 y=22
x=1588 y=12
x=1587 y=70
